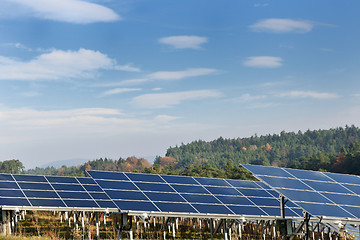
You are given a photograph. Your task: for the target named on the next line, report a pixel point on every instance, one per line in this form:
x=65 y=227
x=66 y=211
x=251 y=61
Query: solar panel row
x=319 y=193
x=51 y=191
x=179 y=194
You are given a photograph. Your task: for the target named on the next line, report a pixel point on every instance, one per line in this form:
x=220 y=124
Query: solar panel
x=190 y=195
x=39 y=192
x=320 y=194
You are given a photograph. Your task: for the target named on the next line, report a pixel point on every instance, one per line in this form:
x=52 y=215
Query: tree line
x=335 y=150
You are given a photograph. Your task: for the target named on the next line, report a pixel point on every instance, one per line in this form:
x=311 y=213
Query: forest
x=334 y=150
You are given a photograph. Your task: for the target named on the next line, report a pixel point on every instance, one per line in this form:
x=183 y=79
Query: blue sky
x=116 y=78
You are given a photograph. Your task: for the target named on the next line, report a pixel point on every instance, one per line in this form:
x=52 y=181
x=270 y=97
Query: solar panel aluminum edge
x=317 y=193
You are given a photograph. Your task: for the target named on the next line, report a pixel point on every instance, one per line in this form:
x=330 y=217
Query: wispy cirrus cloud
x=119 y=91
x=166 y=100
x=263 y=62
x=176 y=75
x=282 y=25
x=70 y=11
x=309 y=94
x=183 y=42
x=59 y=64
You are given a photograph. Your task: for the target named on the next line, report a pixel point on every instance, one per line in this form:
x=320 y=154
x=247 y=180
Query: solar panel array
x=319 y=193
x=190 y=195
x=31 y=191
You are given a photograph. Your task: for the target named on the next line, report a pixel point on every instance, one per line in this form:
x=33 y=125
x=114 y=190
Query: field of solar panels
x=285 y=203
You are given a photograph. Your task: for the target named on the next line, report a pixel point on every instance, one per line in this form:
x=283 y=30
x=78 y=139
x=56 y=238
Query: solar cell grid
x=8 y=185
x=325 y=194
x=309 y=175
x=49 y=191
x=343 y=178
x=173 y=193
x=56 y=179
x=212 y=182
x=179 y=179
x=6 y=177
x=326 y=187
x=145 y=177
x=243 y=183
x=29 y=178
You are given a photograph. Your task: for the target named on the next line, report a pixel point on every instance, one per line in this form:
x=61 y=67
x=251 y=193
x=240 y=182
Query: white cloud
x=71 y=11
x=309 y=94
x=249 y=98
x=176 y=75
x=181 y=42
x=165 y=118
x=282 y=25
x=165 y=100
x=57 y=65
x=263 y=62
x=119 y=90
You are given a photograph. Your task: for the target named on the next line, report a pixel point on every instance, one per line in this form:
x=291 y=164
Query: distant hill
x=336 y=150
x=68 y=163
x=286 y=149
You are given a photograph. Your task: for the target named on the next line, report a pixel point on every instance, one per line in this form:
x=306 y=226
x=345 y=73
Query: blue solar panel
x=92 y=188
x=248 y=210
x=254 y=192
x=168 y=197
x=74 y=195
x=265 y=201
x=197 y=198
x=108 y=175
x=320 y=194
x=106 y=204
x=6 y=177
x=40 y=194
x=353 y=188
x=9 y=185
x=38 y=202
x=343 y=178
x=50 y=191
x=326 y=210
x=212 y=182
x=267 y=171
x=223 y=191
x=81 y=203
x=108 y=184
x=189 y=189
x=327 y=187
x=130 y=195
x=285 y=183
x=35 y=186
x=145 y=206
x=155 y=187
x=145 y=192
x=55 y=179
x=6 y=201
x=175 y=207
x=29 y=178
x=11 y=193
x=235 y=200
x=67 y=187
x=144 y=177
x=342 y=199
x=179 y=179
x=310 y=175
x=84 y=180
x=99 y=195
x=213 y=208
x=242 y=183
